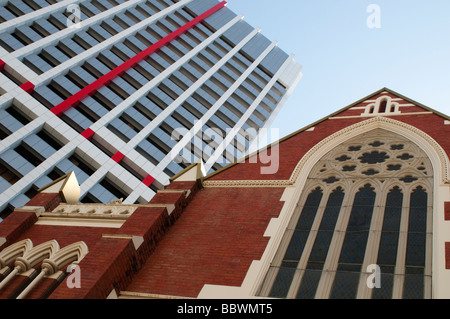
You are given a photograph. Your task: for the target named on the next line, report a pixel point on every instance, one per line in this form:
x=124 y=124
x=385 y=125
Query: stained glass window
x=297 y=242
x=358 y=195
x=355 y=243
x=319 y=251
x=387 y=252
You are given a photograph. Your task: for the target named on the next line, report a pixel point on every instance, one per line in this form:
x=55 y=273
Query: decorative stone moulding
x=417 y=136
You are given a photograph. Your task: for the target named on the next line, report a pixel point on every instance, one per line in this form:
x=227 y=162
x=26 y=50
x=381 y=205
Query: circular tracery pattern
x=377 y=154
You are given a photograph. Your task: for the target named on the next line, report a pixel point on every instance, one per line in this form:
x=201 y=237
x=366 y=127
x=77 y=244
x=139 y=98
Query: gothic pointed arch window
x=367 y=202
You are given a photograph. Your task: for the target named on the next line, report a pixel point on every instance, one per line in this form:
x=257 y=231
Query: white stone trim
x=377 y=115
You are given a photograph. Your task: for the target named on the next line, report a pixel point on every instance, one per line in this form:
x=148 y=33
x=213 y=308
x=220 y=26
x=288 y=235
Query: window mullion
x=301 y=267
x=399 y=275
x=373 y=243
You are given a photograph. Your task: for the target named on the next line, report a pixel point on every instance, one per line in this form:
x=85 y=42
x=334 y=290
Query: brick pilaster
x=15 y=225
x=47 y=200
x=447 y=211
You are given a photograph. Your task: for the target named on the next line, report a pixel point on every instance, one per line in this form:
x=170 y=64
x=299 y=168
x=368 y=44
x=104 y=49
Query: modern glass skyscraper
x=127 y=93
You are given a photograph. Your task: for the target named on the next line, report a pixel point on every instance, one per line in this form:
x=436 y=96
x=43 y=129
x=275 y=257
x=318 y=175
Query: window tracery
x=367 y=185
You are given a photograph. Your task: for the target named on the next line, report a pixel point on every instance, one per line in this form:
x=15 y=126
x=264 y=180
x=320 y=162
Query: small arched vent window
x=382 y=106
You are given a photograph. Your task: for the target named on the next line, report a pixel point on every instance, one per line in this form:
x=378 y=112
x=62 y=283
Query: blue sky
x=344 y=60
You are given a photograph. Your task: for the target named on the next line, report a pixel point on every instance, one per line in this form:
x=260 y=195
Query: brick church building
x=357 y=207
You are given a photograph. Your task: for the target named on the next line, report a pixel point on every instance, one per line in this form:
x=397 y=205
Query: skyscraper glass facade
x=129 y=93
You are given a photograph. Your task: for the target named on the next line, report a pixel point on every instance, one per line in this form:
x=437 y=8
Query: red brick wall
x=447 y=211
x=214 y=242
x=447 y=255
x=16 y=285
x=48 y=200
x=15 y=225
x=109 y=265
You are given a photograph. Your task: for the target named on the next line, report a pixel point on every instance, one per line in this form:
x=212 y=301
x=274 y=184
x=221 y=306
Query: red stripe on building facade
x=118 y=157
x=148 y=180
x=104 y=80
x=28 y=87
x=88 y=134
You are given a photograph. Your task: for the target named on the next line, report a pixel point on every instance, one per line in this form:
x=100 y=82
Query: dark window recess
x=55 y=174
x=6 y=212
x=8 y=174
x=348 y=168
x=397 y=147
x=50 y=140
x=4 y=132
x=42 y=100
x=405 y=156
x=374 y=157
x=343 y=158
x=116 y=191
x=394 y=167
x=409 y=179
x=128 y=120
x=72 y=123
x=77 y=161
x=29 y=154
x=354 y=148
x=376 y=144
x=113 y=129
x=371 y=172
x=31 y=192
x=163 y=147
x=169 y=172
x=15 y=112
x=90 y=199
x=331 y=180
x=383 y=106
